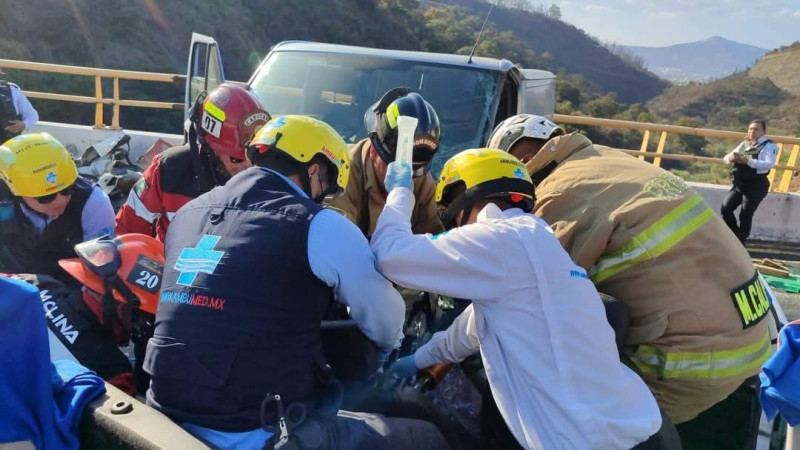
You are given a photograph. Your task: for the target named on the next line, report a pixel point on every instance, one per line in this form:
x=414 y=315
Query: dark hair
x=288 y=166
x=761 y=122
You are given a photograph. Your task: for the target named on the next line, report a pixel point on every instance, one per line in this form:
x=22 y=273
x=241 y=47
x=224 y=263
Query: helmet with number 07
x=130 y=265
x=229 y=118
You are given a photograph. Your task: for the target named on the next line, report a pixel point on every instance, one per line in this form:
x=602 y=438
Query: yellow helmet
x=478 y=174
x=35 y=165
x=302 y=138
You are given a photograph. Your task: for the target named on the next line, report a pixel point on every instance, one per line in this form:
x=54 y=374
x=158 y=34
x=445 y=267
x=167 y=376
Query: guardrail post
x=786 y=179
x=98 y=109
x=645 y=141
x=772 y=172
x=115 y=113
x=660 y=150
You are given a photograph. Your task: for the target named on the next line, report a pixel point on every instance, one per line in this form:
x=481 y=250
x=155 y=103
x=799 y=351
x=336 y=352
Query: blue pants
x=347 y=430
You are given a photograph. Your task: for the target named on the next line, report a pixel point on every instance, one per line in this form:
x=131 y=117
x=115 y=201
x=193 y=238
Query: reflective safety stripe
x=656 y=240
x=721 y=364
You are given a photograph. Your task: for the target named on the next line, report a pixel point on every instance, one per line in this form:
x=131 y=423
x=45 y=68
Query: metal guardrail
x=658 y=155
x=642 y=153
x=98 y=98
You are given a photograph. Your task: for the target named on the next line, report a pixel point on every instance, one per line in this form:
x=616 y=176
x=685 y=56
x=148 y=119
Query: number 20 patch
x=751 y=302
x=146 y=275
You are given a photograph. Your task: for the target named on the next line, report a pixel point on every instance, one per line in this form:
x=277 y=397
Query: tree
x=554 y=11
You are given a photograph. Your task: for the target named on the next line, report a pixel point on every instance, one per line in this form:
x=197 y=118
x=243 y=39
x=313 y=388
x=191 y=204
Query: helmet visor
x=100 y=256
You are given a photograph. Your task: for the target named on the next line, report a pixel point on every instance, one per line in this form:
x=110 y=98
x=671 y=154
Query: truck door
x=204 y=71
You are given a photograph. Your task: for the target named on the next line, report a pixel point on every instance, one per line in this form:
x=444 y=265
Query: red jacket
x=175 y=177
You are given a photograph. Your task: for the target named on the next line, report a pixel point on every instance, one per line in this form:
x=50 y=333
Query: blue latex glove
x=398 y=175
x=404 y=367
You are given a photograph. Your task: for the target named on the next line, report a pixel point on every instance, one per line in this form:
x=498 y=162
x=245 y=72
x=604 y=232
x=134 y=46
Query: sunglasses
x=45 y=199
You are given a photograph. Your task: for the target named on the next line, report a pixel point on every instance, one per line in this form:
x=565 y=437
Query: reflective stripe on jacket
x=648 y=239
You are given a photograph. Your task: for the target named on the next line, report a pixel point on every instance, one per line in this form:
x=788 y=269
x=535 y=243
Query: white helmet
x=521 y=126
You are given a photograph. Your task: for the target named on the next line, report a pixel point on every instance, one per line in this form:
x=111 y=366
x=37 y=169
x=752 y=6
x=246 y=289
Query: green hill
x=769 y=90
x=154 y=36
x=781 y=67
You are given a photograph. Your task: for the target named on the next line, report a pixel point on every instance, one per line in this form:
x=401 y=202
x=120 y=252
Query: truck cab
x=338 y=83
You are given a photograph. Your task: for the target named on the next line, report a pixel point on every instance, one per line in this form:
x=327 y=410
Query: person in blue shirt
x=750 y=163
x=45 y=206
x=251 y=267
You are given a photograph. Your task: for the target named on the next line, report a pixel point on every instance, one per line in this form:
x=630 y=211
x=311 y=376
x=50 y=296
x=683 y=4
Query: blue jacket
x=42 y=402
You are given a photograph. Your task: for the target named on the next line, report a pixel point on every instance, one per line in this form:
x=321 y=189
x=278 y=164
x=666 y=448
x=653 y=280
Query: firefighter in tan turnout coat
x=647 y=238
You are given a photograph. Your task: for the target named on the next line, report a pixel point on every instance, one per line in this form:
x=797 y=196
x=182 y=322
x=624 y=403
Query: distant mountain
x=711 y=58
x=571 y=49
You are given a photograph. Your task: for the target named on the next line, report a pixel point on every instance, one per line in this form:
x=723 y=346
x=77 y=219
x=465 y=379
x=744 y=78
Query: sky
x=764 y=23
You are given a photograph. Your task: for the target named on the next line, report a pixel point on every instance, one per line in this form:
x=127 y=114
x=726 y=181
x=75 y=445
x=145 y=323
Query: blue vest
x=240 y=309
x=24 y=250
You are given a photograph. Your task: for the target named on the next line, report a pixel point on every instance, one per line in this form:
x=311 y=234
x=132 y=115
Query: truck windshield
x=338 y=89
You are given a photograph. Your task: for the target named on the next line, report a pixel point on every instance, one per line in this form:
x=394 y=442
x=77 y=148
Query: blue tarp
x=41 y=401
x=780 y=377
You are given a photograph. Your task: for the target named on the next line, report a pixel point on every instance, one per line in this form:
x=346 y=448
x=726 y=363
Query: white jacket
x=536 y=318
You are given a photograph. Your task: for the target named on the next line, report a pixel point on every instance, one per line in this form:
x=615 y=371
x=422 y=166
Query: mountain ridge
x=703 y=60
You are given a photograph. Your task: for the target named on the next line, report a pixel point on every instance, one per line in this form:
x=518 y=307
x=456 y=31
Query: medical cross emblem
x=519 y=173
x=202 y=258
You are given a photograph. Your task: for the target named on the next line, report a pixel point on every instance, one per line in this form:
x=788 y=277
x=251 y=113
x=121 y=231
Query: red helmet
x=229 y=119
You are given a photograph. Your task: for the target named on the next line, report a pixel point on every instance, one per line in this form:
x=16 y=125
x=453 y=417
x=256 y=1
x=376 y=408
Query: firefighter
x=365 y=195
x=220 y=126
x=648 y=239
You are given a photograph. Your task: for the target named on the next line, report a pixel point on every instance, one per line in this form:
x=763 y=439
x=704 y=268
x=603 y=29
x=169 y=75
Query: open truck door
x=204 y=71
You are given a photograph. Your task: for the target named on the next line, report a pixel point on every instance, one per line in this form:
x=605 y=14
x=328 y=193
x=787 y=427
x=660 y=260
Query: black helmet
x=380 y=121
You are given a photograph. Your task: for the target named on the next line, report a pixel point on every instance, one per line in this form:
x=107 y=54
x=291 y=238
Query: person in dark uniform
x=46 y=208
x=236 y=356
x=751 y=160
x=16 y=112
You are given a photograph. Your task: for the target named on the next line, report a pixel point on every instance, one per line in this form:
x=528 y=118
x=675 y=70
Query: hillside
x=781 y=67
x=704 y=60
x=154 y=36
x=571 y=49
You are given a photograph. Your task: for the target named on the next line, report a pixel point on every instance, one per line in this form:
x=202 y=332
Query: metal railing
x=783 y=142
x=649 y=129
x=98 y=99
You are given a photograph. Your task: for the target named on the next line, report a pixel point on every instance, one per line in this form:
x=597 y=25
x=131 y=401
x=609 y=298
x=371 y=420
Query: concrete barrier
x=777 y=218
x=85 y=136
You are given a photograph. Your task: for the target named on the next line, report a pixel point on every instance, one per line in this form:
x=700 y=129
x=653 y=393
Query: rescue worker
x=16 y=112
x=121 y=277
x=648 y=239
x=218 y=130
x=45 y=207
x=535 y=317
x=751 y=161
x=365 y=195
x=251 y=267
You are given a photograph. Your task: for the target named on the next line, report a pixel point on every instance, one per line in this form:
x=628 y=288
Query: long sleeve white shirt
x=23 y=107
x=339 y=255
x=765 y=159
x=536 y=318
